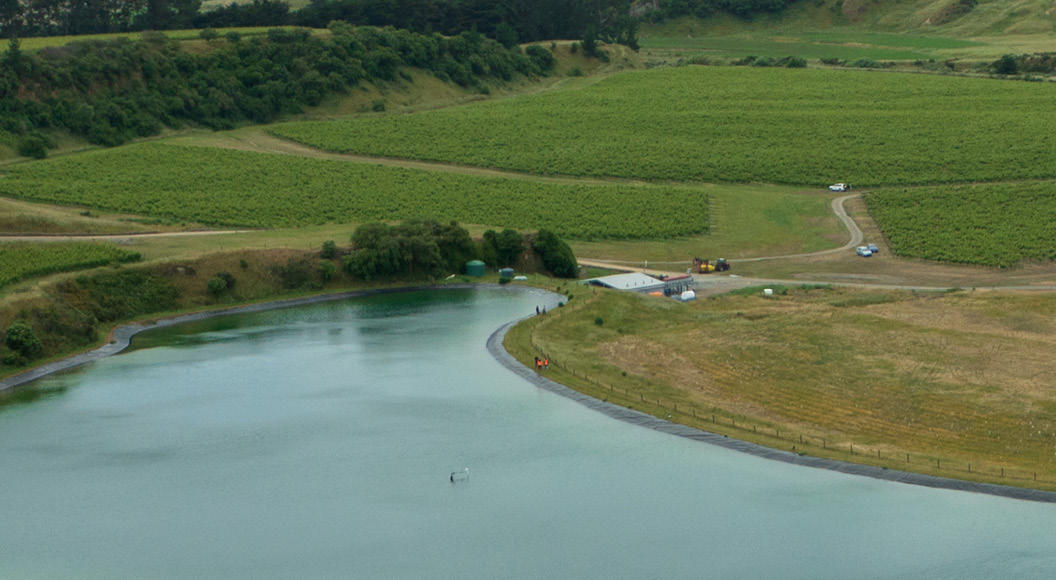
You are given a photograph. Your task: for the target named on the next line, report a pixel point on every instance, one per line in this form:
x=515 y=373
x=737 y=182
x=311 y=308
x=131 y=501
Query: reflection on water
x=320 y=442
x=16 y=397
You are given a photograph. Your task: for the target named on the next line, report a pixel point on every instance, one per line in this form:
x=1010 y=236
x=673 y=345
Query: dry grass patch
x=964 y=377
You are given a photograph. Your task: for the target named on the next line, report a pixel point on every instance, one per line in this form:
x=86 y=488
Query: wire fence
x=801 y=443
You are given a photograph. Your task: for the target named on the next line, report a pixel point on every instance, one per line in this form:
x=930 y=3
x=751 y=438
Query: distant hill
x=952 y=18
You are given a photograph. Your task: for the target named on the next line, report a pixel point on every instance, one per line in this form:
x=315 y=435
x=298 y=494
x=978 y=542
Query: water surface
x=317 y=442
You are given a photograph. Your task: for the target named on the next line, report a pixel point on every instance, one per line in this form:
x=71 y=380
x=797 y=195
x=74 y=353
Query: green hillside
x=734 y=124
x=851 y=29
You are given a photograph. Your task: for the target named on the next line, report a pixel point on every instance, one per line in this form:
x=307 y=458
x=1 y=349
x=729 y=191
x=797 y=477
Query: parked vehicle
x=873 y=248
x=839 y=187
x=864 y=251
x=702 y=266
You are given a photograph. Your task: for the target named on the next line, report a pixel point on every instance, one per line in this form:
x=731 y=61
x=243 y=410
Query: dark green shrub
x=208 y=34
x=33 y=145
x=327 y=271
x=329 y=251
x=377 y=106
x=216 y=286
x=21 y=339
x=1006 y=65
x=557 y=256
x=542 y=58
x=599 y=320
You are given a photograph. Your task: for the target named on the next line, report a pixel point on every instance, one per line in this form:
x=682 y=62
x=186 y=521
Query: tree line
x=513 y=20
x=110 y=92
x=508 y=21
x=428 y=249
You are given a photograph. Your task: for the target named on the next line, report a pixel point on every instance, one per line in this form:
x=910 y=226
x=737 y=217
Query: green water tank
x=474 y=268
x=506 y=273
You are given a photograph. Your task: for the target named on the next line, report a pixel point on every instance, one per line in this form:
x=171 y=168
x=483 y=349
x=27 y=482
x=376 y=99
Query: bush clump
x=21 y=339
x=557 y=256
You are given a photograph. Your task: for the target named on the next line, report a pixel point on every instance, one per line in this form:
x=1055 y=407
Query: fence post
x=907 y=458
x=852 y=448
x=878 y=454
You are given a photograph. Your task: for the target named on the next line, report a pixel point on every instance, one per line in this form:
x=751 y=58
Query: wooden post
x=907 y=458
x=878 y=454
x=1002 y=472
x=852 y=448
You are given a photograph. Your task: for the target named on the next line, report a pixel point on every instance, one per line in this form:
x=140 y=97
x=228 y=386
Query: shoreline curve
x=122 y=335
x=122 y=338
x=635 y=417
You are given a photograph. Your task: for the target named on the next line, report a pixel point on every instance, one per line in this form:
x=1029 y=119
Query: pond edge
x=499 y=352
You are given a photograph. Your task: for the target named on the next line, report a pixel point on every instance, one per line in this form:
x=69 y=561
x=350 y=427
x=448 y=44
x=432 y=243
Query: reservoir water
x=318 y=442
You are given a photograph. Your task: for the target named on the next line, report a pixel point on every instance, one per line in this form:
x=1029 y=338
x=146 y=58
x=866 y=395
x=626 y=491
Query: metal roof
x=634 y=281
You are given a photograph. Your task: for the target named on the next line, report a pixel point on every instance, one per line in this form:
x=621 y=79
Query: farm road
x=113 y=237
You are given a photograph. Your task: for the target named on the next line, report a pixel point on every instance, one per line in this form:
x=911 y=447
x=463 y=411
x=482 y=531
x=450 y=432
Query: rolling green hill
x=734 y=124
x=877 y=29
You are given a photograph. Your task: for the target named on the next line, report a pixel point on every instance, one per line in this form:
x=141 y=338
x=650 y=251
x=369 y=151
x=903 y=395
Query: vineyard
x=734 y=124
x=239 y=188
x=993 y=225
x=19 y=261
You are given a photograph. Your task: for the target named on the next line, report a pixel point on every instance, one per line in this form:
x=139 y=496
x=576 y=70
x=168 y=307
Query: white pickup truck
x=839 y=187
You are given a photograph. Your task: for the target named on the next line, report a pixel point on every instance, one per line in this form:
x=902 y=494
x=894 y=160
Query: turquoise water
x=317 y=442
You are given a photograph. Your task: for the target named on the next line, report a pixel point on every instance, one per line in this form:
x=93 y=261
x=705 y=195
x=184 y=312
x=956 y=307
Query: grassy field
x=21 y=217
x=19 y=260
x=993 y=26
x=739 y=46
x=239 y=188
x=734 y=125
x=992 y=225
x=960 y=378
